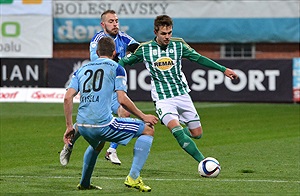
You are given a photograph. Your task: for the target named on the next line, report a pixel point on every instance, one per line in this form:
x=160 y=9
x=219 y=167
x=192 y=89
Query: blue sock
x=89 y=161
x=140 y=154
x=114 y=145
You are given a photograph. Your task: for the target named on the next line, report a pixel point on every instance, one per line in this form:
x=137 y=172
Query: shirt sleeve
x=93 y=49
x=74 y=82
x=192 y=55
x=121 y=79
x=132 y=58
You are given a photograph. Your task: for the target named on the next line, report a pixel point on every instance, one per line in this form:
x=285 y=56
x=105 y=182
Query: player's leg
x=188 y=114
x=185 y=142
x=168 y=114
x=65 y=154
x=141 y=151
x=123 y=130
x=111 y=153
x=195 y=133
x=90 y=157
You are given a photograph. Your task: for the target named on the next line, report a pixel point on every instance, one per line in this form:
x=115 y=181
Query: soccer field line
x=160 y=179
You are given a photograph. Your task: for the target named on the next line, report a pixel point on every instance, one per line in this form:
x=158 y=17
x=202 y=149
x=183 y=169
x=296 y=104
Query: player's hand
x=230 y=74
x=149 y=118
x=68 y=136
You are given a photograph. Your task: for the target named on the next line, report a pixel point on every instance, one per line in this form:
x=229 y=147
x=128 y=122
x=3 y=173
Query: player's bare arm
x=68 y=108
x=126 y=102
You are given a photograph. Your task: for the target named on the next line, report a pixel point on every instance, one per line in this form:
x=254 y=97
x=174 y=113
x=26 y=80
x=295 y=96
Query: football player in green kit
x=162 y=57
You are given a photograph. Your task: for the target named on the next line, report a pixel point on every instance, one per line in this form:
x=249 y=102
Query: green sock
x=188 y=133
x=187 y=143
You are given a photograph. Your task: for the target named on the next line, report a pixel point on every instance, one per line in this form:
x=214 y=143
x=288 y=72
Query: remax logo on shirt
x=23 y=1
x=164 y=63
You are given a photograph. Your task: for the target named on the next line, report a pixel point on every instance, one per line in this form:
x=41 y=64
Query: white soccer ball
x=209 y=167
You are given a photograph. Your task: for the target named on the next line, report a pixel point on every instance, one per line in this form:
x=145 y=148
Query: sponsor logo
x=8 y=95
x=71 y=31
x=201 y=80
x=96 y=8
x=164 y=63
x=185 y=144
x=47 y=95
x=10 y=29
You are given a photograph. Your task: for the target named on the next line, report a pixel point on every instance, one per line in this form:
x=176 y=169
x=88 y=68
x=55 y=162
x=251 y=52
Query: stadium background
x=43 y=42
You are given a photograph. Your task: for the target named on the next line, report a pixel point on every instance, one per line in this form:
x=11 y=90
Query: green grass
x=257 y=145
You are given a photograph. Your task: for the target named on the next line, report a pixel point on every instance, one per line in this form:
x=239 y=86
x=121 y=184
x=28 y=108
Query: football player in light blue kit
x=96 y=82
x=110 y=25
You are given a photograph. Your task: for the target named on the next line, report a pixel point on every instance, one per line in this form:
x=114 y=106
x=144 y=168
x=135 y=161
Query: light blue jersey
x=96 y=82
x=122 y=40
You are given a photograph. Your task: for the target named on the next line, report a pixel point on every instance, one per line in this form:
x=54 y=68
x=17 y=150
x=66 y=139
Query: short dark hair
x=162 y=21
x=106 y=46
x=107 y=12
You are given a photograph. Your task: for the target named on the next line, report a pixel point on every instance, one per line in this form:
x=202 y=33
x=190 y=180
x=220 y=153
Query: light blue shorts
x=120 y=130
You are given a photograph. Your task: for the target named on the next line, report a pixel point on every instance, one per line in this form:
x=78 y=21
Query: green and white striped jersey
x=164 y=65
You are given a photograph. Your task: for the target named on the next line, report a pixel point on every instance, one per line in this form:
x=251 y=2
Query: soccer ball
x=209 y=167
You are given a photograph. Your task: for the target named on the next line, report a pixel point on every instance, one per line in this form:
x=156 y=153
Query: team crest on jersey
x=154 y=52
x=164 y=63
x=94 y=45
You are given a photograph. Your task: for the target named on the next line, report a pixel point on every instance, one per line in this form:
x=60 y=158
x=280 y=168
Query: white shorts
x=180 y=108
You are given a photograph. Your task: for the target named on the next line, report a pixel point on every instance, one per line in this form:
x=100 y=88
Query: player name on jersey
x=89 y=98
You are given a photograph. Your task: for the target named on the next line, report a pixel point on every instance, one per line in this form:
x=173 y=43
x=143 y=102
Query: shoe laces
x=140 y=181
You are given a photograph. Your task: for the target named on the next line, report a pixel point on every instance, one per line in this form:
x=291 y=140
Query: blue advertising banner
x=208 y=21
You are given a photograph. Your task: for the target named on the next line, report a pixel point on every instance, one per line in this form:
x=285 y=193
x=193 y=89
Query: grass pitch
x=257 y=145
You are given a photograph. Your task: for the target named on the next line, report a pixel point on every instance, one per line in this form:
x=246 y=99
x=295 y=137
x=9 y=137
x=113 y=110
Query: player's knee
x=198 y=136
x=197 y=133
x=148 y=130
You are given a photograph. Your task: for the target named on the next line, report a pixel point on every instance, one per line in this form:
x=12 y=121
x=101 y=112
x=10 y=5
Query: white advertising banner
x=197 y=21
x=177 y=9
x=34 y=95
x=21 y=7
x=27 y=36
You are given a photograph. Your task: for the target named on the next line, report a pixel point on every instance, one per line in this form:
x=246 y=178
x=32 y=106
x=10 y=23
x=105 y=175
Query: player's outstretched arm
x=212 y=64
